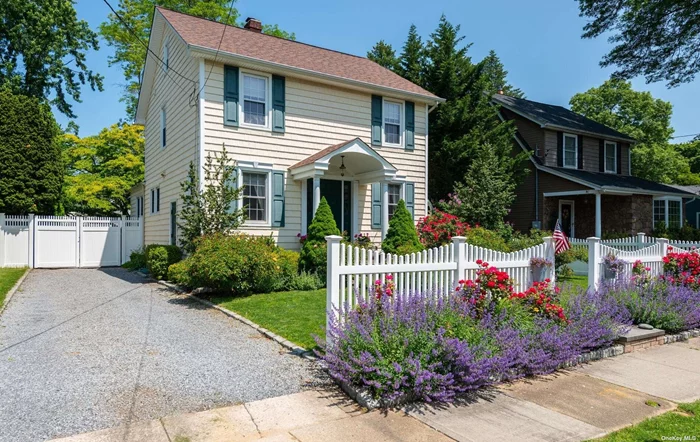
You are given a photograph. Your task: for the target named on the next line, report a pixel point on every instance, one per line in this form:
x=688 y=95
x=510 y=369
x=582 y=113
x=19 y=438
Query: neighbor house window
x=139 y=206
x=392 y=116
x=570 y=151
x=255 y=100
x=166 y=58
x=255 y=195
x=155 y=200
x=394 y=197
x=611 y=156
x=668 y=210
x=162 y=128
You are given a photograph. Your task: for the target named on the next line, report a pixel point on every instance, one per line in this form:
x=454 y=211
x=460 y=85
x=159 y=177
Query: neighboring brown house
x=580 y=172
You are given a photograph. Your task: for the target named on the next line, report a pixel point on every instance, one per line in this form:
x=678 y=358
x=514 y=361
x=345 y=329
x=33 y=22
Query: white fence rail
x=67 y=241
x=353 y=271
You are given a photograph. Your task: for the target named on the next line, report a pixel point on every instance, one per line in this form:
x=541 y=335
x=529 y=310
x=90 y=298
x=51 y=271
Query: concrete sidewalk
x=573 y=405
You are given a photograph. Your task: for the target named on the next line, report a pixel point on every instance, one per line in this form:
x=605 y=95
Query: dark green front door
x=339 y=198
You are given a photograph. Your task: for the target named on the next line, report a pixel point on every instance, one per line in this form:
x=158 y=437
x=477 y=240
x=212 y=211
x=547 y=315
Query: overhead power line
x=211 y=68
x=685 y=136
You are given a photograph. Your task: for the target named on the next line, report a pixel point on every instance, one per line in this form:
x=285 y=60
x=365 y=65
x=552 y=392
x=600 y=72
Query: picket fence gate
x=67 y=241
x=352 y=271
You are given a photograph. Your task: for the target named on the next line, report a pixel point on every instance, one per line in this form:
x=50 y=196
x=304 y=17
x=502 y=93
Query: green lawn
x=576 y=281
x=674 y=425
x=294 y=315
x=8 y=278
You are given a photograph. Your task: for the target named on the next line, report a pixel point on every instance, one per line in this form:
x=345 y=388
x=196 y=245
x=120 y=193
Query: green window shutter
x=231 y=95
x=376 y=119
x=601 y=155
x=410 y=125
x=233 y=182
x=277 y=199
x=278 y=103
x=376 y=206
x=410 y=191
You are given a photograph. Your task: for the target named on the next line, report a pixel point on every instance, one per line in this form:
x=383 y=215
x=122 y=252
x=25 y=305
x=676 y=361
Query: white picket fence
x=352 y=271
x=637 y=242
x=67 y=241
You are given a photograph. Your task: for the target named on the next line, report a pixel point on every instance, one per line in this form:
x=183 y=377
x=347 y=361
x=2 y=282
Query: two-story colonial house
x=580 y=173
x=301 y=123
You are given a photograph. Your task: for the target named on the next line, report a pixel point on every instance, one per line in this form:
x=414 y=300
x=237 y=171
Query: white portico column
x=317 y=193
x=385 y=208
x=598 y=215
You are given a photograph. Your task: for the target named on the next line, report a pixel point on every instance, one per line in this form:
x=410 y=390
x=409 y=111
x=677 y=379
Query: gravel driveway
x=85 y=349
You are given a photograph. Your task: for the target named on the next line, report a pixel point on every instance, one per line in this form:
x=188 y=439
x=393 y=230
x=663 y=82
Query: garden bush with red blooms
x=541 y=300
x=682 y=268
x=438 y=228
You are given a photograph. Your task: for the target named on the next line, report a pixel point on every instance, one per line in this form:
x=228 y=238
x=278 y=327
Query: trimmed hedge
x=159 y=257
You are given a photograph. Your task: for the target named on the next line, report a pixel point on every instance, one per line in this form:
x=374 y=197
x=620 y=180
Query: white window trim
x=667 y=199
x=268 y=99
x=268 y=194
x=402 y=126
x=563 y=151
x=163 y=127
x=605 y=156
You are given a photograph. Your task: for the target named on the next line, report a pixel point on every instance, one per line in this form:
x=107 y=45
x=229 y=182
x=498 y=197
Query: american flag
x=561 y=242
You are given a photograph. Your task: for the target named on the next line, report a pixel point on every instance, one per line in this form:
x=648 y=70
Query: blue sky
x=538 y=42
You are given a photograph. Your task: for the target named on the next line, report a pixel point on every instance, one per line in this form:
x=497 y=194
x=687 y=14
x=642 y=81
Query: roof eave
x=196 y=50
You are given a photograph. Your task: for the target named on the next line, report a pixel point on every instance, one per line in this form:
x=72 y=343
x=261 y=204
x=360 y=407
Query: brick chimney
x=253 y=24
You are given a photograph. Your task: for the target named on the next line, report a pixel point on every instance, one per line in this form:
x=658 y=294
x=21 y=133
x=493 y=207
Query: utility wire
x=211 y=68
x=145 y=45
x=685 y=136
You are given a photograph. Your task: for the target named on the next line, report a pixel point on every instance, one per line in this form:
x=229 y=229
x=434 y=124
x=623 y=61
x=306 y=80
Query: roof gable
x=557 y=117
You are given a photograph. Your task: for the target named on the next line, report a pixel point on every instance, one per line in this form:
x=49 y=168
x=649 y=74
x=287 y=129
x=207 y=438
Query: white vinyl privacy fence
x=352 y=271
x=67 y=241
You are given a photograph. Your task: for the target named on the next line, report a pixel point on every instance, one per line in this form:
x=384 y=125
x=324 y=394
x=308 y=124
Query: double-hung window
x=394 y=197
x=570 y=151
x=611 y=156
x=139 y=206
x=255 y=100
x=255 y=195
x=393 y=123
x=155 y=200
x=668 y=210
x=162 y=128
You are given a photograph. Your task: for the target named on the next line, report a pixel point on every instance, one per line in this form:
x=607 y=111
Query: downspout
x=537 y=196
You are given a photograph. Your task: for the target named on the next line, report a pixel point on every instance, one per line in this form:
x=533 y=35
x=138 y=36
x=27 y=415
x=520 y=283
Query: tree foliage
x=496 y=75
x=211 y=210
x=42 y=51
x=100 y=170
x=402 y=237
x=32 y=173
x=412 y=58
x=657 y=39
x=644 y=118
x=384 y=55
x=130 y=54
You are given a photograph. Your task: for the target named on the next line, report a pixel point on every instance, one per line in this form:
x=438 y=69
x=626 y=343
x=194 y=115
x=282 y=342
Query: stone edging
x=364 y=399
x=295 y=349
x=12 y=291
x=682 y=336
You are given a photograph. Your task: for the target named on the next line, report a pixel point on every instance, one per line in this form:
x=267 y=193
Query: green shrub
x=137 y=260
x=402 y=237
x=489 y=239
x=306 y=281
x=179 y=273
x=520 y=241
x=313 y=256
x=159 y=257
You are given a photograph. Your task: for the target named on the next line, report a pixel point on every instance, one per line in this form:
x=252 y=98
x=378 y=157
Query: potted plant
x=539 y=267
x=613 y=267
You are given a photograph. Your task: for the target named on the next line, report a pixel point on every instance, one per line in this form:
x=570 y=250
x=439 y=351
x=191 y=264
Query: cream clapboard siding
x=167 y=167
x=317 y=116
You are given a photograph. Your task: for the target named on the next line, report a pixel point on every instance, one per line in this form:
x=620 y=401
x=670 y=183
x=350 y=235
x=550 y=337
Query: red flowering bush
x=491 y=285
x=682 y=268
x=640 y=273
x=384 y=289
x=438 y=228
x=541 y=300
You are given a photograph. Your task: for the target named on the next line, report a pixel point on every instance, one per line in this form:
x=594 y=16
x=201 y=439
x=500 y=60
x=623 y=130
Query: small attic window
x=166 y=58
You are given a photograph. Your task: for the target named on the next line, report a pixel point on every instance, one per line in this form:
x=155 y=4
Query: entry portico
x=337 y=173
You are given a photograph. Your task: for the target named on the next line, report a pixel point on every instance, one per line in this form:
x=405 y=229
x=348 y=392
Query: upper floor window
x=392 y=122
x=394 y=197
x=162 y=128
x=611 y=156
x=668 y=211
x=570 y=151
x=255 y=103
x=255 y=195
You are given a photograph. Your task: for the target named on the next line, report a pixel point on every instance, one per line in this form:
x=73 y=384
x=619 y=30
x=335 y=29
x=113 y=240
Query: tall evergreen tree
x=412 y=59
x=384 y=55
x=496 y=75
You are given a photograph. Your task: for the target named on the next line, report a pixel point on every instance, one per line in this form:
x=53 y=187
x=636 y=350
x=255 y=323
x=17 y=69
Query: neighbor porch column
x=317 y=193
x=385 y=208
x=598 y=221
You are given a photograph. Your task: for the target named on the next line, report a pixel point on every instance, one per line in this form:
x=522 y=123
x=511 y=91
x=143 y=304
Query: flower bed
x=423 y=348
